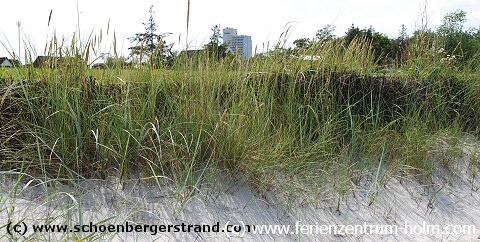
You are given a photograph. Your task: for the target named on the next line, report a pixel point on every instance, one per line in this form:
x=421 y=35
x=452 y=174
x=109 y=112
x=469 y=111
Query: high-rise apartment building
x=241 y=44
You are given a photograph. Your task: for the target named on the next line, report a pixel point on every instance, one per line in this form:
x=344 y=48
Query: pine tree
x=150 y=44
x=214 y=48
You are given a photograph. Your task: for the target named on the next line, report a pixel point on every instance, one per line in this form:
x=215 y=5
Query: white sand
x=452 y=198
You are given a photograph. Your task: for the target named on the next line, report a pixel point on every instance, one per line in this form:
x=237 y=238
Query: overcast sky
x=264 y=20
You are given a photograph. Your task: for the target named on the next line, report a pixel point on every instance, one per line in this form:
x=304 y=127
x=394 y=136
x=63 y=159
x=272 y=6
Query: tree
x=302 y=43
x=402 y=39
x=215 y=38
x=325 y=34
x=452 y=23
x=151 y=44
x=383 y=47
x=475 y=33
x=214 y=48
x=356 y=33
x=454 y=40
x=401 y=43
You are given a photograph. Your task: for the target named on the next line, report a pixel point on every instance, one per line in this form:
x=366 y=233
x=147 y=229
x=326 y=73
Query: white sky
x=264 y=20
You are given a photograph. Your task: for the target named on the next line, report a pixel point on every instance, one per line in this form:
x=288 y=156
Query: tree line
x=449 y=38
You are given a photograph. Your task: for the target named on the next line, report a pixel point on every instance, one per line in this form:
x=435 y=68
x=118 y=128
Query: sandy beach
x=402 y=209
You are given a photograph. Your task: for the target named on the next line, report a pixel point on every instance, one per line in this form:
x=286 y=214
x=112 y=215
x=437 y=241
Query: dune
x=402 y=209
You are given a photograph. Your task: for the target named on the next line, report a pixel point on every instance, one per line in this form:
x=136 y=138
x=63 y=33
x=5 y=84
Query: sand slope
x=451 y=198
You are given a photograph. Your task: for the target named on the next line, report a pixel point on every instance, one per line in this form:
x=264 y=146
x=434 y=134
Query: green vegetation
x=151 y=46
x=214 y=49
x=281 y=120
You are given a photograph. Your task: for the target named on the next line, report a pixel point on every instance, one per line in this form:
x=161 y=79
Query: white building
x=237 y=43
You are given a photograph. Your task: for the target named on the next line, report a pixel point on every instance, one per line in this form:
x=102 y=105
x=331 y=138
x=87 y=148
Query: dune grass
x=281 y=121
x=310 y=130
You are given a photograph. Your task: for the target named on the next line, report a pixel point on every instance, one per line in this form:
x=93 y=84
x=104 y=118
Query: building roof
x=15 y=62
x=46 y=61
x=4 y=61
x=55 y=61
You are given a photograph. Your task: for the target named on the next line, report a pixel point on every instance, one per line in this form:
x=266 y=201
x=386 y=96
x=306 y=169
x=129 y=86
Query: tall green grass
x=280 y=120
